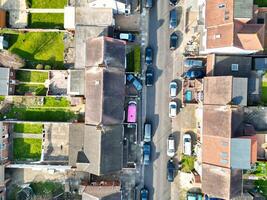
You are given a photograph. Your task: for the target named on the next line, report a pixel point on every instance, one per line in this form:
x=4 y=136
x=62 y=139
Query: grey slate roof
x=4 y=81
x=243 y=9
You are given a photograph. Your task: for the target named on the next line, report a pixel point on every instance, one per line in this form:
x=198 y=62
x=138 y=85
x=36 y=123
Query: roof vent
x=234 y=67
x=221 y=5
x=217 y=36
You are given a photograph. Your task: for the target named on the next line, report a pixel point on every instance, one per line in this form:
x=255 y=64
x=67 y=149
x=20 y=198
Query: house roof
x=232 y=91
x=4 y=81
x=105 y=51
x=221 y=65
x=221 y=182
x=105 y=92
x=101 y=193
x=97 y=150
x=76 y=82
x=229 y=24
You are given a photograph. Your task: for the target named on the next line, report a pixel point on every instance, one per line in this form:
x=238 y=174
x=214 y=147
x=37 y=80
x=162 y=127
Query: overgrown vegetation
x=2 y=98
x=56 y=102
x=37 y=89
x=261 y=3
x=31 y=76
x=47 y=189
x=35 y=48
x=261 y=169
x=28 y=128
x=134 y=60
x=187 y=163
x=261 y=186
x=264 y=92
x=27 y=148
x=47 y=3
x=46 y=20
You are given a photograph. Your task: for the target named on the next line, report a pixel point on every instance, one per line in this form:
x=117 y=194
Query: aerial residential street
x=158 y=99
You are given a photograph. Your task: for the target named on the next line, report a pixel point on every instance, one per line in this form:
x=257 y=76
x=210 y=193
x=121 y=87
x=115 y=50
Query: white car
x=187 y=144
x=170 y=146
x=173 y=89
x=172 y=109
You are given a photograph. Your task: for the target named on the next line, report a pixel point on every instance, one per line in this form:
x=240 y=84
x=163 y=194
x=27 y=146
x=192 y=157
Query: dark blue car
x=132 y=79
x=194 y=73
x=146 y=153
x=144 y=194
x=170 y=170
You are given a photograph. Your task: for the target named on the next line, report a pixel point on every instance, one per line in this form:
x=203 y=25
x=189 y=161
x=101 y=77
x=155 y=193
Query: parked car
x=149 y=55
x=173 y=89
x=173 y=2
x=149 y=3
x=172 y=109
x=144 y=194
x=146 y=153
x=171 y=146
x=187 y=144
x=147 y=132
x=127 y=37
x=193 y=63
x=149 y=76
x=173 y=19
x=131 y=113
x=173 y=41
x=132 y=79
x=170 y=170
x=194 y=73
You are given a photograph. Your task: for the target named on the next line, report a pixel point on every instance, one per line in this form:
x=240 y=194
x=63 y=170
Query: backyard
x=28 y=128
x=47 y=189
x=35 y=48
x=31 y=76
x=46 y=3
x=27 y=148
x=46 y=20
x=56 y=102
x=36 y=89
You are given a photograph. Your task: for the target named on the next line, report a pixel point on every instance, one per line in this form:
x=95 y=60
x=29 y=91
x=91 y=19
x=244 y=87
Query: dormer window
x=234 y=67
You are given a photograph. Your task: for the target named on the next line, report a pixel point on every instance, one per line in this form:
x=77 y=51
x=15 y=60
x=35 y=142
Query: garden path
x=27 y=135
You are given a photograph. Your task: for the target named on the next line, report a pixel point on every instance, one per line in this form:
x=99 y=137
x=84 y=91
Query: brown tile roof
x=221 y=182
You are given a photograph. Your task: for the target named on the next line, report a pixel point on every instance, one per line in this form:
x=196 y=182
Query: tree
x=39 y=66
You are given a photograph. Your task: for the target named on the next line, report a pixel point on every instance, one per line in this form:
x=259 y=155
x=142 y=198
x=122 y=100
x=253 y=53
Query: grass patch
x=31 y=76
x=56 y=102
x=45 y=48
x=47 y=3
x=261 y=186
x=37 y=89
x=264 y=92
x=41 y=114
x=187 y=163
x=261 y=169
x=46 y=21
x=261 y=3
x=133 y=59
x=28 y=128
x=27 y=148
x=2 y=98
x=47 y=188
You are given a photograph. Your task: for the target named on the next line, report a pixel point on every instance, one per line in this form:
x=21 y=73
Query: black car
x=144 y=194
x=173 y=2
x=149 y=56
x=173 y=19
x=173 y=41
x=149 y=76
x=149 y=3
x=170 y=170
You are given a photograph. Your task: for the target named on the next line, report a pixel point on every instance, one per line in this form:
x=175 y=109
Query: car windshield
x=187 y=140
x=173 y=106
x=173 y=86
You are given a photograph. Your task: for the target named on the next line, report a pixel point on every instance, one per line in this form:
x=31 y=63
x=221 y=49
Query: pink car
x=131 y=118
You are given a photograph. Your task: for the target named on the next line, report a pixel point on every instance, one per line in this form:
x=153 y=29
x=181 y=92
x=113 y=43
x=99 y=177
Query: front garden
x=45 y=48
x=134 y=59
x=187 y=163
x=27 y=149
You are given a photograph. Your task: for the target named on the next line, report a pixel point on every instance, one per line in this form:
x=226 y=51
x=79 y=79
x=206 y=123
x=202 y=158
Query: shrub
x=39 y=66
x=47 y=67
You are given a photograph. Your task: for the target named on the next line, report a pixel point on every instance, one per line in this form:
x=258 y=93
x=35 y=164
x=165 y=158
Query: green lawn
x=47 y=188
x=40 y=114
x=37 y=89
x=187 y=163
x=37 y=47
x=46 y=21
x=261 y=3
x=261 y=169
x=47 y=3
x=134 y=60
x=31 y=76
x=26 y=148
x=28 y=128
x=56 y=102
x=264 y=92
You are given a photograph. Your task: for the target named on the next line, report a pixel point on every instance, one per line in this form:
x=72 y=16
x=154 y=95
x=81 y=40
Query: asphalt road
x=157 y=101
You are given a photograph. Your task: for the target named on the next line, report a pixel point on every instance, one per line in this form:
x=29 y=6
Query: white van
x=147 y=132
x=127 y=36
x=171 y=146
